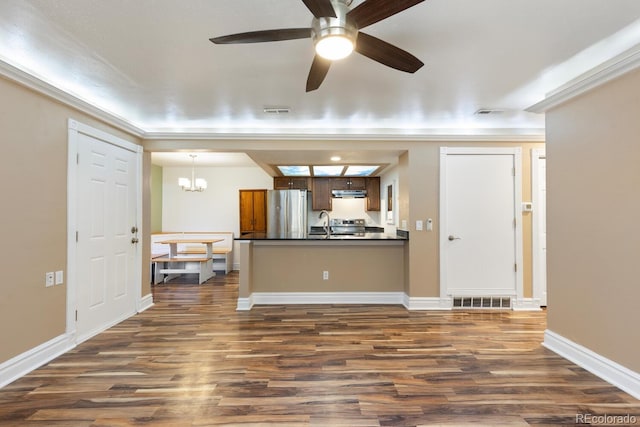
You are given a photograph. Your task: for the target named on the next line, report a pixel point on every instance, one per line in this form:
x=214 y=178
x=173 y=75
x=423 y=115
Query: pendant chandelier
x=193 y=184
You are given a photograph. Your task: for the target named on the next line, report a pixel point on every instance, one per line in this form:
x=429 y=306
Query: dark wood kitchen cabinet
x=321 y=191
x=373 y=193
x=253 y=211
x=290 y=183
x=348 y=183
x=321 y=194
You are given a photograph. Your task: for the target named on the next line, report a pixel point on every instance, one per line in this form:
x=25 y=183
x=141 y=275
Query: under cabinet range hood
x=349 y=194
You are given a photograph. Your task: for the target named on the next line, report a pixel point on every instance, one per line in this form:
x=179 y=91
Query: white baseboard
x=526 y=304
x=410 y=303
x=427 y=303
x=610 y=371
x=244 y=304
x=145 y=303
x=275 y=298
x=26 y=362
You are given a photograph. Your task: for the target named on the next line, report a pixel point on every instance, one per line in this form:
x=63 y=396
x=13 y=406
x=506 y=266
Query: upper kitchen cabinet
x=373 y=193
x=253 y=211
x=321 y=194
x=321 y=191
x=290 y=183
x=348 y=183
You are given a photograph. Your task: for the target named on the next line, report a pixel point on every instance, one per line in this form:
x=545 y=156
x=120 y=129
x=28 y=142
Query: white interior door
x=106 y=235
x=539 y=191
x=479 y=255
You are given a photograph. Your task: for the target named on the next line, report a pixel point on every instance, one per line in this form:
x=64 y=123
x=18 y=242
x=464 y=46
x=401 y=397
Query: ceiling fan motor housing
x=338 y=26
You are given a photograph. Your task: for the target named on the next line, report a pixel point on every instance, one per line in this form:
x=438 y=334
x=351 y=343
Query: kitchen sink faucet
x=327 y=228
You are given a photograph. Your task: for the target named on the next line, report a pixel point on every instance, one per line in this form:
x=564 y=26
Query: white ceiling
x=202 y=159
x=151 y=64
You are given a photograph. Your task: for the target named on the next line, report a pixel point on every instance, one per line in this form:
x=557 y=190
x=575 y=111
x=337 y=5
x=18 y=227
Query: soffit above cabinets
x=329 y=170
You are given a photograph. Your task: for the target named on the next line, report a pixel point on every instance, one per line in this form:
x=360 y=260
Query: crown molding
x=38 y=85
x=610 y=70
x=423 y=135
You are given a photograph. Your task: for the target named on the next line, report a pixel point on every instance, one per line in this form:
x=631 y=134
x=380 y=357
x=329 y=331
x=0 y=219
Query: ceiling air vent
x=487 y=111
x=276 y=110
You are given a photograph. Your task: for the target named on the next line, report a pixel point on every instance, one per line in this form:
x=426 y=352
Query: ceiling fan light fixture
x=335 y=34
x=334 y=38
x=334 y=47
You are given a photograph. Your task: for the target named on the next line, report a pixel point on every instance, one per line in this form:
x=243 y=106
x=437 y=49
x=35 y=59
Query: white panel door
x=479 y=238
x=106 y=214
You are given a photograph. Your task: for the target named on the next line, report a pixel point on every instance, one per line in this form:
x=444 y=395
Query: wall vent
x=482 y=303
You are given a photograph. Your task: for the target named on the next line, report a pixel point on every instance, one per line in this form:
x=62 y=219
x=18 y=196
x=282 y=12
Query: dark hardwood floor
x=193 y=360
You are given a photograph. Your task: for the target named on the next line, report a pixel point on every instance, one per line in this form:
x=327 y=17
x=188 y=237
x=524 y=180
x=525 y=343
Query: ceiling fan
x=335 y=30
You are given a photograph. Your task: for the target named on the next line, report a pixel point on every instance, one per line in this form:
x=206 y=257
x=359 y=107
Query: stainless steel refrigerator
x=287 y=213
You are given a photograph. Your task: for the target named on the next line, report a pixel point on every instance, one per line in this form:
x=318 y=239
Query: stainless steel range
x=348 y=226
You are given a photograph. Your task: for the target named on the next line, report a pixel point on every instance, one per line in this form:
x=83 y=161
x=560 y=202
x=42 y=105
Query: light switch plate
x=59 y=277
x=419 y=225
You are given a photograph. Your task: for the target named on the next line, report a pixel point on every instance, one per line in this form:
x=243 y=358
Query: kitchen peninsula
x=283 y=268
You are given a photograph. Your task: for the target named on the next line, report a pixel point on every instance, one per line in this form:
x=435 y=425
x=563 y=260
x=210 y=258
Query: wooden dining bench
x=222 y=253
x=165 y=266
x=221 y=257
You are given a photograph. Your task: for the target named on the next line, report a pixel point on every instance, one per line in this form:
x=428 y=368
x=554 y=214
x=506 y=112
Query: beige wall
x=298 y=268
x=403 y=214
x=145 y=244
x=156 y=199
x=593 y=174
x=33 y=180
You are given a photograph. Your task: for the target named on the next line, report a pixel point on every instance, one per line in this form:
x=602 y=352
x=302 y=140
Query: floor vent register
x=482 y=302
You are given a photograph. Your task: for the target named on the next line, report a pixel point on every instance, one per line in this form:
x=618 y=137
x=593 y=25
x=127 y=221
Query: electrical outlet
x=325 y=275
x=48 y=279
x=59 y=277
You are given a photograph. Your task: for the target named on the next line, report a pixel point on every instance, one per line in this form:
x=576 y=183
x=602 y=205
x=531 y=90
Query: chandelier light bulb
x=193 y=184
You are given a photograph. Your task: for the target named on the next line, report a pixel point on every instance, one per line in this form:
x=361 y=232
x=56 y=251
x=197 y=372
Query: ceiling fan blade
x=317 y=73
x=264 y=36
x=387 y=54
x=372 y=11
x=320 y=8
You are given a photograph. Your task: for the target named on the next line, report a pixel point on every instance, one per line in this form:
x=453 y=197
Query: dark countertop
x=401 y=235
x=315 y=229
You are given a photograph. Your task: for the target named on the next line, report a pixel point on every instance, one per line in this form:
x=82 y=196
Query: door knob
x=134 y=240
x=452 y=237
